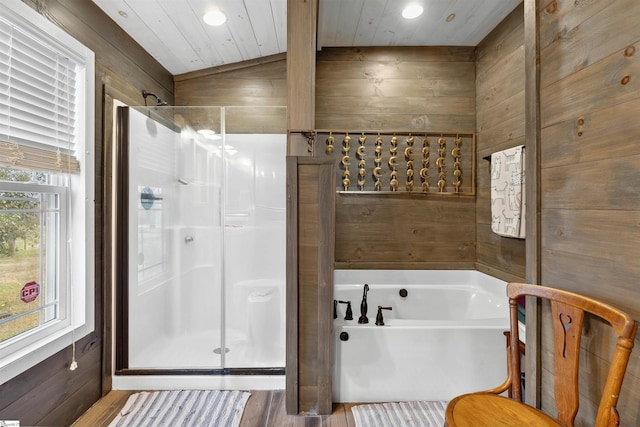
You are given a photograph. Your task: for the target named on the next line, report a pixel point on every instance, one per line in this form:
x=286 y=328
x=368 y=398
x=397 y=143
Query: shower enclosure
x=200 y=237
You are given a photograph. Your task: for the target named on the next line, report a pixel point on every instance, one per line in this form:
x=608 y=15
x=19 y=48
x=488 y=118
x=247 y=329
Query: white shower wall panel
x=200 y=301
x=200 y=176
x=198 y=287
x=255 y=207
x=255 y=173
x=255 y=239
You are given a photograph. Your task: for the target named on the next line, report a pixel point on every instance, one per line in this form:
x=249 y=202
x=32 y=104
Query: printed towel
x=507 y=192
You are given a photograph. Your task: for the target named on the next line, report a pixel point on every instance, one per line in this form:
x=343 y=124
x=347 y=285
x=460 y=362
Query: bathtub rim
x=415 y=277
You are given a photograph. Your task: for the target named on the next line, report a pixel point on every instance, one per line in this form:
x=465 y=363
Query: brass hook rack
x=399 y=166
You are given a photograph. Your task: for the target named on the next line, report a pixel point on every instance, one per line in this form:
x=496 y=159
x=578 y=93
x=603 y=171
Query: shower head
x=159 y=102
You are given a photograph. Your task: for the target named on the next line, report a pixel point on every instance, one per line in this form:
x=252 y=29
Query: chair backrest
x=567 y=310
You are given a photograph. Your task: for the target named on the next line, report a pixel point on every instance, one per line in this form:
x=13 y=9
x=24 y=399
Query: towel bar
x=487 y=158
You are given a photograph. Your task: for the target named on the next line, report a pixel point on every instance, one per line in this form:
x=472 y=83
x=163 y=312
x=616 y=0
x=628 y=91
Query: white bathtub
x=443 y=339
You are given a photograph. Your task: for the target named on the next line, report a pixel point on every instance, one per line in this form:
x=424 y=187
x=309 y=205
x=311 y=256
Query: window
x=32 y=256
x=46 y=189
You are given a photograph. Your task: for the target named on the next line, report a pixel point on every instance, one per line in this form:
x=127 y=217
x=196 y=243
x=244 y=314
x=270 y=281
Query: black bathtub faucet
x=379 y=318
x=363 y=306
x=348 y=314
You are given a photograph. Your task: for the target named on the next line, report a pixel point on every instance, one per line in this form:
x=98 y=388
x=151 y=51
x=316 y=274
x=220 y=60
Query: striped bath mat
x=400 y=414
x=188 y=408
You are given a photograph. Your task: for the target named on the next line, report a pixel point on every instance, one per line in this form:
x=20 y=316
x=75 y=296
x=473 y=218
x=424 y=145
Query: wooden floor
x=263 y=409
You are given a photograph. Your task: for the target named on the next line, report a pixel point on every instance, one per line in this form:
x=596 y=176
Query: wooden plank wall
x=500 y=122
x=49 y=393
x=251 y=86
x=260 y=82
x=389 y=88
x=421 y=88
x=590 y=173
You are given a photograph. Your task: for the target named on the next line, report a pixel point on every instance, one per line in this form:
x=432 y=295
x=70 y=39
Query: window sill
x=28 y=357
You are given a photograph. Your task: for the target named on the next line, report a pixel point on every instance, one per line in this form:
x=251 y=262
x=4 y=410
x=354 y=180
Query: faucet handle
x=379 y=319
x=349 y=314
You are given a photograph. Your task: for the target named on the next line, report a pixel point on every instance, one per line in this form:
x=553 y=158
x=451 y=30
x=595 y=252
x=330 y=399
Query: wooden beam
x=533 y=242
x=230 y=67
x=301 y=70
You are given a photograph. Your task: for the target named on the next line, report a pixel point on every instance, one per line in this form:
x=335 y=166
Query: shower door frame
x=120 y=263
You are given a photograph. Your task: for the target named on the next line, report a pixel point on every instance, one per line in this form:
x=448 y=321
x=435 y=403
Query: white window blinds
x=38 y=113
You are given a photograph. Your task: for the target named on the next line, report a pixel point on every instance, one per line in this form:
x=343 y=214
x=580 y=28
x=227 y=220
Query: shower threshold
x=199 y=381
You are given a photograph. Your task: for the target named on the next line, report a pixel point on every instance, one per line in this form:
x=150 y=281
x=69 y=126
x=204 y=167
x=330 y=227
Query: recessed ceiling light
x=123 y=14
x=451 y=17
x=413 y=10
x=214 y=17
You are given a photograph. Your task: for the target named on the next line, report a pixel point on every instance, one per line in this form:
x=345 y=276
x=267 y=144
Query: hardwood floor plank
x=278 y=414
x=265 y=408
x=105 y=410
x=338 y=418
x=256 y=411
x=351 y=422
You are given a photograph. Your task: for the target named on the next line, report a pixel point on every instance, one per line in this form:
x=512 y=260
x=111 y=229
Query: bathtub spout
x=379 y=319
x=363 y=306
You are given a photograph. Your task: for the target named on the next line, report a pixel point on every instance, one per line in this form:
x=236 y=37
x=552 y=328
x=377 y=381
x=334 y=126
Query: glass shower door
x=174 y=239
x=202 y=232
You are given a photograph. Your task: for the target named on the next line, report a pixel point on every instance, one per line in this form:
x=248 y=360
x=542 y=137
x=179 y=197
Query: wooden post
x=310 y=248
x=310 y=259
x=533 y=243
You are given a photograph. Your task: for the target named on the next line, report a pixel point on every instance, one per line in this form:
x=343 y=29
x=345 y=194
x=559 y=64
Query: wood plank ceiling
x=174 y=33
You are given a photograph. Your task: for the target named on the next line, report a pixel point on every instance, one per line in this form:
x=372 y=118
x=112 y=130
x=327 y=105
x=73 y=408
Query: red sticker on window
x=30 y=292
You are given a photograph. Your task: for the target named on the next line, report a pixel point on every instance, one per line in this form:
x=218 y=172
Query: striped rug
x=188 y=408
x=400 y=414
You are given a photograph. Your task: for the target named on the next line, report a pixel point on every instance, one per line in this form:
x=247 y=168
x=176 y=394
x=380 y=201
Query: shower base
x=202 y=350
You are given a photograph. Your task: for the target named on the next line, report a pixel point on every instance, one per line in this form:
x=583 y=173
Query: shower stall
x=200 y=198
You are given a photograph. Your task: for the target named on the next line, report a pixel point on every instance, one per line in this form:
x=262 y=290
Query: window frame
x=81 y=269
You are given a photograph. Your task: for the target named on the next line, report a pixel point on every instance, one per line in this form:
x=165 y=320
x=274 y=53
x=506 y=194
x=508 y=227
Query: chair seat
x=490 y=410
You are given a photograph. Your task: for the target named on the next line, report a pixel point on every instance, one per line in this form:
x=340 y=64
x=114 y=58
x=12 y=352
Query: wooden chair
x=492 y=410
